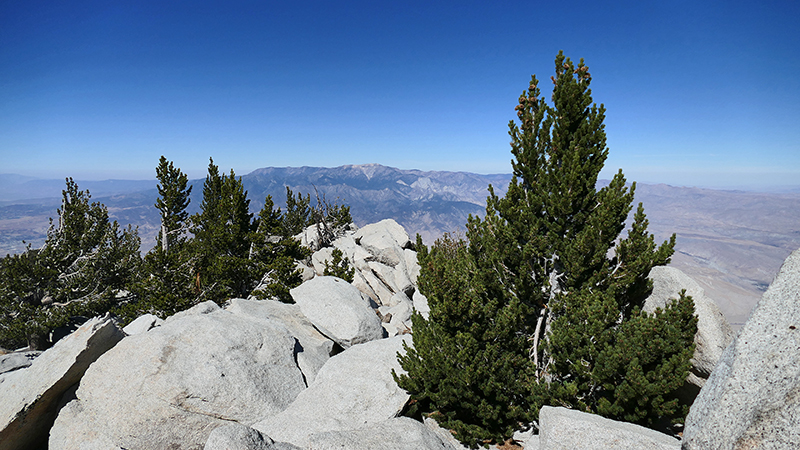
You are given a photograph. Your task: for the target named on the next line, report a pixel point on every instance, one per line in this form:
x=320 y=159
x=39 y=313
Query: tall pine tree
x=166 y=287
x=222 y=233
x=542 y=303
x=173 y=199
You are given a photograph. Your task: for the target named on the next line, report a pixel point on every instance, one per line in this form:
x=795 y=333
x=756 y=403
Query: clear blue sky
x=697 y=92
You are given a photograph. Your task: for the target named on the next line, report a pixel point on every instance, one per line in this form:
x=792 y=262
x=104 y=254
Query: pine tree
x=339 y=267
x=84 y=268
x=172 y=203
x=546 y=262
x=468 y=365
x=298 y=213
x=273 y=255
x=222 y=233
x=166 y=287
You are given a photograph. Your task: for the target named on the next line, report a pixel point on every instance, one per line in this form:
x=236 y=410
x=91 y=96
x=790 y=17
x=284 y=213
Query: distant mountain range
x=732 y=242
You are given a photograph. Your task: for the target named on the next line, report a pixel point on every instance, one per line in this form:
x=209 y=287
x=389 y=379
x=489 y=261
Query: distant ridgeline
x=735 y=258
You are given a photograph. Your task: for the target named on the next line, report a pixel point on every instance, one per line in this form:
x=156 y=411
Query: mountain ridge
x=731 y=242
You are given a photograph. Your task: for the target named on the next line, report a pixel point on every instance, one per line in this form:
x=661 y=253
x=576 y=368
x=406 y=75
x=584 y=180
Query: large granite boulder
x=385 y=240
x=714 y=334
x=171 y=386
x=353 y=389
x=29 y=398
x=399 y=433
x=313 y=349
x=752 y=399
x=568 y=429
x=338 y=310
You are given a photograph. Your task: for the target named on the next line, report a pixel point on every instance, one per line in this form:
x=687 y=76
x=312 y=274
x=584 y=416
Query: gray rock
x=17 y=360
x=383 y=292
x=200 y=309
x=402 y=308
x=319 y=258
x=385 y=240
x=714 y=334
x=421 y=305
x=360 y=282
x=338 y=310
x=306 y=272
x=314 y=348
x=412 y=265
x=355 y=388
x=444 y=434
x=752 y=399
x=142 y=324
x=236 y=436
x=399 y=433
x=170 y=387
x=400 y=321
x=30 y=397
x=568 y=429
x=386 y=274
x=310 y=238
x=354 y=253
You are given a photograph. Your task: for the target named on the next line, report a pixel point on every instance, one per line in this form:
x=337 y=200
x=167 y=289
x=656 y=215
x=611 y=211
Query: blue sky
x=698 y=93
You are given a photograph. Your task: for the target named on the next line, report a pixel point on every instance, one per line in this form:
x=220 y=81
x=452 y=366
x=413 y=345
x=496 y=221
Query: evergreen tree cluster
x=88 y=265
x=82 y=269
x=541 y=304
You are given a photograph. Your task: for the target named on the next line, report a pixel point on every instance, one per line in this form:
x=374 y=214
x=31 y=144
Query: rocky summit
x=317 y=374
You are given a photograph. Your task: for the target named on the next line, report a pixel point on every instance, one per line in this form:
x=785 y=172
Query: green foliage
x=167 y=286
x=273 y=255
x=85 y=267
x=332 y=216
x=546 y=263
x=469 y=361
x=339 y=267
x=329 y=218
x=88 y=266
x=222 y=232
x=298 y=213
x=172 y=203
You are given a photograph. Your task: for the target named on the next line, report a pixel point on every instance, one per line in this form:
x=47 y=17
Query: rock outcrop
x=353 y=389
x=171 y=386
x=752 y=399
x=567 y=429
x=385 y=265
x=714 y=334
x=338 y=310
x=31 y=396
